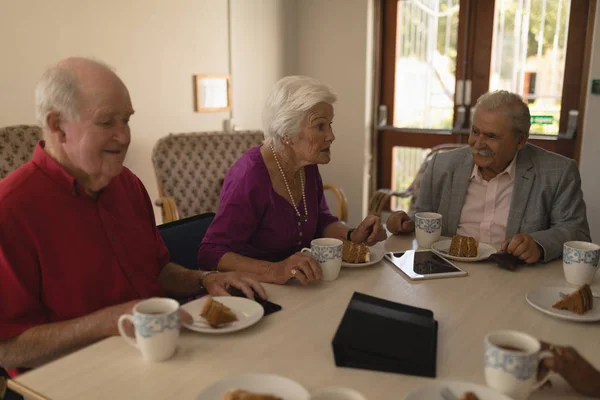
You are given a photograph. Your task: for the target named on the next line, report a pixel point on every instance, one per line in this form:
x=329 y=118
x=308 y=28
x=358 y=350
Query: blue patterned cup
x=156 y=323
x=511 y=363
x=428 y=228
x=328 y=252
x=580 y=262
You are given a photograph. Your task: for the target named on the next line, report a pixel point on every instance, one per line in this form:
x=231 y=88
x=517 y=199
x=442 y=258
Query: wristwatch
x=203 y=275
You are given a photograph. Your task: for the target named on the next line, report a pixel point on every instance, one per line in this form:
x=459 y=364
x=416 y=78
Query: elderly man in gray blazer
x=502 y=190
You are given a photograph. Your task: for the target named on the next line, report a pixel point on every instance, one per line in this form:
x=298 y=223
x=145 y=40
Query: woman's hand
x=217 y=284
x=369 y=231
x=575 y=369
x=399 y=222
x=299 y=266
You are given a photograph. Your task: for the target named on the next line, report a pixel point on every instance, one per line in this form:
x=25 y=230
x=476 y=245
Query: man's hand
x=217 y=284
x=369 y=231
x=569 y=364
x=524 y=247
x=300 y=266
x=399 y=222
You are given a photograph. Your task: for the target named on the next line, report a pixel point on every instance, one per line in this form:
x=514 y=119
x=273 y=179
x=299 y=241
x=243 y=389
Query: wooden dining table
x=296 y=341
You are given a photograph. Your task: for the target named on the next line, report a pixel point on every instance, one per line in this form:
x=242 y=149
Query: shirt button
x=299 y=223
x=114 y=238
x=299 y=243
x=300 y=233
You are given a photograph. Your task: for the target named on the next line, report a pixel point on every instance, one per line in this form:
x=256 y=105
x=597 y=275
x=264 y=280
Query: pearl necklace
x=305 y=217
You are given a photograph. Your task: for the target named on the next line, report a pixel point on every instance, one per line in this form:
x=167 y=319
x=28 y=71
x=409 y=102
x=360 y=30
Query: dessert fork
x=563 y=295
x=447 y=394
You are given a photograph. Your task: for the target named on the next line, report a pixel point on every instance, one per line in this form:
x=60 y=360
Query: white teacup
x=337 y=393
x=328 y=253
x=511 y=363
x=156 y=323
x=428 y=228
x=580 y=262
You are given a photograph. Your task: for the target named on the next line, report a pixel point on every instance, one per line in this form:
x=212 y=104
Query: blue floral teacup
x=328 y=252
x=580 y=262
x=511 y=363
x=156 y=323
x=428 y=228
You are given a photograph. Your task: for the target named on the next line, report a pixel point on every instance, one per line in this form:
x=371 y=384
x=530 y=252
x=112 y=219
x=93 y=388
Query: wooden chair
x=381 y=197
x=16 y=146
x=190 y=169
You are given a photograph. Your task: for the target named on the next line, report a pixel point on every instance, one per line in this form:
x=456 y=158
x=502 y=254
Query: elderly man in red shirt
x=78 y=241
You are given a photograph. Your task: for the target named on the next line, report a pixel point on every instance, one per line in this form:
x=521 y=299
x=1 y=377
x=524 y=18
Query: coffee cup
x=156 y=323
x=580 y=262
x=511 y=363
x=428 y=228
x=328 y=253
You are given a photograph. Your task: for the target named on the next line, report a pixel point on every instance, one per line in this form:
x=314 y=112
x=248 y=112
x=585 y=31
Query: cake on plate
x=468 y=396
x=580 y=301
x=463 y=246
x=216 y=314
x=240 y=394
x=355 y=253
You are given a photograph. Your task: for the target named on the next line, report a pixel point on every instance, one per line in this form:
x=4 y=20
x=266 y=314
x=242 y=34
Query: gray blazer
x=547 y=201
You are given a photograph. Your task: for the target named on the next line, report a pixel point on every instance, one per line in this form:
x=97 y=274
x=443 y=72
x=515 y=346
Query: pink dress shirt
x=484 y=215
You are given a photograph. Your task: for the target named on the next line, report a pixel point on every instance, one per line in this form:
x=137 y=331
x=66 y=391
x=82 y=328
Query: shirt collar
x=509 y=170
x=54 y=170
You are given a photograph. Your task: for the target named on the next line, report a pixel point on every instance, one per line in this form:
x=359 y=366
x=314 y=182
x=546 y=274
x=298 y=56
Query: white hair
x=58 y=91
x=511 y=105
x=288 y=104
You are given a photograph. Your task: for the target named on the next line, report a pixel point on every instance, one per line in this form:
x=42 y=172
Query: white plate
x=258 y=383
x=376 y=256
x=543 y=298
x=441 y=248
x=247 y=311
x=434 y=389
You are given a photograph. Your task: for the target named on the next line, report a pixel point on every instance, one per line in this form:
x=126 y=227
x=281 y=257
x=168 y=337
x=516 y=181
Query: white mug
x=428 y=228
x=580 y=262
x=511 y=363
x=328 y=253
x=156 y=323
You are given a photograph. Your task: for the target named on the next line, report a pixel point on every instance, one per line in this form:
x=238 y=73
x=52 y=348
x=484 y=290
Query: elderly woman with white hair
x=272 y=203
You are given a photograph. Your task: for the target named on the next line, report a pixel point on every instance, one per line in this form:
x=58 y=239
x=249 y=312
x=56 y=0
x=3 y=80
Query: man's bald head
x=64 y=86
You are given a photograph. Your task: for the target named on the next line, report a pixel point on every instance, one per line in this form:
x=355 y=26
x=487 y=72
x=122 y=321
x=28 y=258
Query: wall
x=590 y=149
x=333 y=47
x=156 y=48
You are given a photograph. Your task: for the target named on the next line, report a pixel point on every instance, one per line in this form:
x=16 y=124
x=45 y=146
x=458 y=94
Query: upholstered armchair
x=190 y=169
x=381 y=197
x=16 y=146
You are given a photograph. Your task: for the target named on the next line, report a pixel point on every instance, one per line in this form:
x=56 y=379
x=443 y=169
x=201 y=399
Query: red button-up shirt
x=64 y=254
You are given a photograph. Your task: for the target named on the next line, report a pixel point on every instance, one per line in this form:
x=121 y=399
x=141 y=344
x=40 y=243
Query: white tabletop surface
x=296 y=342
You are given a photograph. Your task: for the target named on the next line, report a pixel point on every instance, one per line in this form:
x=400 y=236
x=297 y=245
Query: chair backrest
x=190 y=167
x=183 y=237
x=416 y=183
x=16 y=146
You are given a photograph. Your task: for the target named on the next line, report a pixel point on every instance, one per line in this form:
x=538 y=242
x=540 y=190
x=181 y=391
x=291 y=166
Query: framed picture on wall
x=212 y=93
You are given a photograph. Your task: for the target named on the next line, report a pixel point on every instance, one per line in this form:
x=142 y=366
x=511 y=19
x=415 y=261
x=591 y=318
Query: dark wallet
x=506 y=261
x=381 y=335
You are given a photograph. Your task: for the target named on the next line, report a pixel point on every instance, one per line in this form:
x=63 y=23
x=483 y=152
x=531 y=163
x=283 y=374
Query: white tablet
x=424 y=264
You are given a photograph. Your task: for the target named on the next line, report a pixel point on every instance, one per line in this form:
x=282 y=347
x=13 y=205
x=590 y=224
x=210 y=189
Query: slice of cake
x=239 y=394
x=468 y=396
x=580 y=301
x=463 y=246
x=216 y=314
x=355 y=253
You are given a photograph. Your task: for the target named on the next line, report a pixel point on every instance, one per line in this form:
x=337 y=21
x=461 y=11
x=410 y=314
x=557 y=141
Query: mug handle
x=306 y=249
x=542 y=355
x=127 y=338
